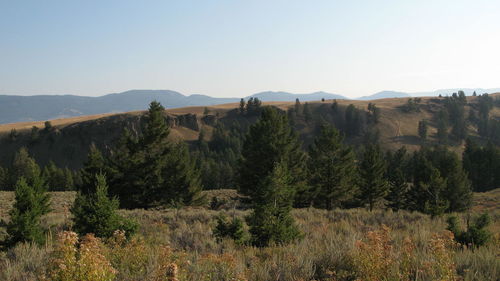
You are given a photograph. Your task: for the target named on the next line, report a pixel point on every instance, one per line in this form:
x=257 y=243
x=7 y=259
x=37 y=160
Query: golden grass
x=333 y=248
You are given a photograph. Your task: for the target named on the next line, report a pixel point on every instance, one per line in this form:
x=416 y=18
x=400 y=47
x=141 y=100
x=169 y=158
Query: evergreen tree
x=335 y=106
x=4 y=177
x=242 y=106
x=435 y=204
x=271 y=141
x=182 y=185
x=31 y=203
x=271 y=222
x=442 y=127
x=298 y=107
x=149 y=170
x=95 y=164
x=96 y=212
x=397 y=177
x=307 y=113
x=332 y=169
x=34 y=135
x=23 y=166
x=374 y=112
x=422 y=129
x=373 y=185
x=55 y=177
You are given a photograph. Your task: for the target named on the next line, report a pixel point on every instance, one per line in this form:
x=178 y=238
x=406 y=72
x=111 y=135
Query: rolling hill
x=68 y=141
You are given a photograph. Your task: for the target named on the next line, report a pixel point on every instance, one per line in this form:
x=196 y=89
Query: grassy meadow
x=178 y=244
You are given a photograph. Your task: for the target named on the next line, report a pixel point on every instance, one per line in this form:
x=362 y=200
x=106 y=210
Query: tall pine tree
x=271 y=172
x=332 y=169
x=150 y=171
x=271 y=141
x=373 y=184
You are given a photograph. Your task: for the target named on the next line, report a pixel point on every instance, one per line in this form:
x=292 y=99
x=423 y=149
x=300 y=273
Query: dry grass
x=182 y=241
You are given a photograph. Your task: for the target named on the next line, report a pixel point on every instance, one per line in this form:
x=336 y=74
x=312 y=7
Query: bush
x=84 y=261
x=232 y=229
x=475 y=235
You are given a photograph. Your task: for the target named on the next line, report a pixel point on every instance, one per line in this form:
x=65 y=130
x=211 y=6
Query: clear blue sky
x=236 y=48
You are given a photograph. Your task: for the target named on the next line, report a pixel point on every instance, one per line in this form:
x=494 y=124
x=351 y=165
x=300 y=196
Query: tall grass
x=337 y=245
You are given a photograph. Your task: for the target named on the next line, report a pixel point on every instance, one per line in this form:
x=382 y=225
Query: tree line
x=146 y=170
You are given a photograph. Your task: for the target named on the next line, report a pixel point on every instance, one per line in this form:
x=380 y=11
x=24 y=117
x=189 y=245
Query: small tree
x=271 y=221
x=372 y=169
x=23 y=166
x=230 y=228
x=422 y=129
x=307 y=113
x=475 y=235
x=96 y=213
x=242 y=106
x=31 y=203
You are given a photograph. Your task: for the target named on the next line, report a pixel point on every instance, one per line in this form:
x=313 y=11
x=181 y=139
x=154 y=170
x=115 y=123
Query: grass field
x=337 y=245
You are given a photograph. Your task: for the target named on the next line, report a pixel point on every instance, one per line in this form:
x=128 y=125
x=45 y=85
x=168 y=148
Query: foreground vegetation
x=337 y=245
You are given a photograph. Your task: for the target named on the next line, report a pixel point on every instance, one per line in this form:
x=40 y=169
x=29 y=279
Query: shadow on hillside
x=407 y=140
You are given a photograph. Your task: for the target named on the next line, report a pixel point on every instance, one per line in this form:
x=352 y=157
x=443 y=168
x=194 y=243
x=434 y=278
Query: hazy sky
x=237 y=48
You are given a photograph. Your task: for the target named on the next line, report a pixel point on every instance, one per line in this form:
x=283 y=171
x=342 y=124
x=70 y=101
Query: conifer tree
x=396 y=175
x=149 y=170
x=422 y=129
x=95 y=164
x=242 y=106
x=298 y=107
x=23 y=166
x=307 y=113
x=442 y=127
x=332 y=169
x=270 y=221
x=434 y=204
x=3 y=178
x=96 y=212
x=31 y=203
x=373 y=184
x=270 y=141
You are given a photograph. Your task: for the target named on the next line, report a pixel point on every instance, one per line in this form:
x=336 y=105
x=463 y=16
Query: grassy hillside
x=68 y=141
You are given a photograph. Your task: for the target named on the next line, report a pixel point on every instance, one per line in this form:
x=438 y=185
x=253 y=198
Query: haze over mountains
x=46 y=107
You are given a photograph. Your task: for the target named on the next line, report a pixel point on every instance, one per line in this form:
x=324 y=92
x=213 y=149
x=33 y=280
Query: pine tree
x=307 y=113
x=95 y=164
x=298 y=107
x=270 y=141
x=242 y=106
x=442 y=127
x=31 y=203
x=435 y=204
x=4 y=176
x=373 y=185
x=271 y=221
x=23 y=166
x=149 y=170
x=182 y=184
x=422 y=129
x=396 y=175
x=96 y=212
x=332 y=169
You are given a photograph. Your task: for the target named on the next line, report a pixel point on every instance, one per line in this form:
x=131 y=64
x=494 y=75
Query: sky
x=236 y=48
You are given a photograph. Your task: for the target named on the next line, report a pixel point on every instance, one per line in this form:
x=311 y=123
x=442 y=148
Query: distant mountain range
x=46 y=107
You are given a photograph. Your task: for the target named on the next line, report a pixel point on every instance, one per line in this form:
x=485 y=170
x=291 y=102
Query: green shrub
x=231 y=229
x=475 y=235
